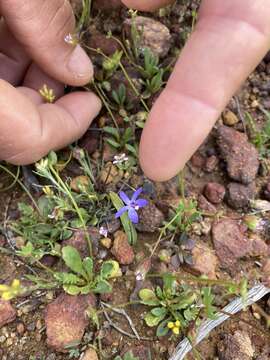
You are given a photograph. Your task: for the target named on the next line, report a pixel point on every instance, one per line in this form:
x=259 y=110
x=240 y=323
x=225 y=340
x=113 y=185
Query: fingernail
x=80 y=64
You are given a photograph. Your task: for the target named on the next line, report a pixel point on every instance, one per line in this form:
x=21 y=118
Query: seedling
x=120 y=97
x=260 y=138
x=81 y=279
x=121 y=141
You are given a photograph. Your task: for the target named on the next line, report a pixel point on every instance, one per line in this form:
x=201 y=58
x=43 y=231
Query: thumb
x=146 y=5
x=41 y=26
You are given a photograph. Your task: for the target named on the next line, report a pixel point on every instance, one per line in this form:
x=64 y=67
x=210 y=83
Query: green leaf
x=52 y=158
x=170 y=284
x=67 y=278
x=113 y=143
x=148 y=297
x=131 y=149
x=162 y=329
x=88 y=266
x=152 y=320
x=73 y=260
x=159 y=311
x=112 y=131
x=102 y=287
x=110 y=269
x=127 y=224
x=207 y=300
x=45 y=206
x=72 y=289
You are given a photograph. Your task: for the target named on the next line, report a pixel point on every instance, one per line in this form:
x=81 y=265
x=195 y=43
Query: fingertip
x=80 y=67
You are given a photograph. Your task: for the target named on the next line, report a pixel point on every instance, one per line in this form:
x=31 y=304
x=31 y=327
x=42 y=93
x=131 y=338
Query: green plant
x=127 y=356
x=111 y=64
x=182 y=217
x=121 y=140
x=173 y=303
x=82 y=279
x=260 y=137
x=120 y=97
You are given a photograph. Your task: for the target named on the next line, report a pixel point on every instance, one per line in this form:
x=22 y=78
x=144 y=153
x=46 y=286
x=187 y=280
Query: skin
x=230 y=39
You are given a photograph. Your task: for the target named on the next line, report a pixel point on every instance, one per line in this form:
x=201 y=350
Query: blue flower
x=132 y=205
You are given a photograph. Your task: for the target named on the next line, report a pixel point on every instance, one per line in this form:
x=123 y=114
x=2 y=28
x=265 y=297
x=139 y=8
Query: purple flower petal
x=141 y=203
x=121 y=211
x=136 y=194
x=133 y=216
x=124 y=197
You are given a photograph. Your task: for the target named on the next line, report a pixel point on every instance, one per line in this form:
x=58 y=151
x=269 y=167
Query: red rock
x=79 y=241
x=236 y=347
x=258 y=246
x=239 y=195
x=154 y=35
x=7 y=313
x=66 y=321
x=214 y=192
x=107 y=45
x=204 y=261
x=242 y=157
x=151 y=218
x=230 y=241
x=90 y=354
x=121 y=249
x=205 y=205
x=198 y=160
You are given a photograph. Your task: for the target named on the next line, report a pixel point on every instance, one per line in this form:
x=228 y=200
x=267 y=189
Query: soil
x=207 y=178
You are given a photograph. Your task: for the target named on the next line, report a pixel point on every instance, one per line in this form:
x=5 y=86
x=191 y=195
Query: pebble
x=154 y=35
x=106 y=242
x=151 y=218
x=20 y=328
x=121 y=249
x=229 y=118
x=65 y=320
x=7 y=313
x=239 y=195
x=230 y=241
x=204 y=260
x=90 y=354
x=211 y=163
x=242 y=157
x=214 y=192
x=236 y=347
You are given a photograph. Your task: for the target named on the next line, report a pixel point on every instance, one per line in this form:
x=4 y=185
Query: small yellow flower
x=178 y=324
x=47 y=94
x=16 y=284
x=47 y=190
x=170 y=325
x=176 y=330
x=7 y=295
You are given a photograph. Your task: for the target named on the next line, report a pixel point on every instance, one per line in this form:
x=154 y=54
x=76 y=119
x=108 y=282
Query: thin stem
x=55 y=173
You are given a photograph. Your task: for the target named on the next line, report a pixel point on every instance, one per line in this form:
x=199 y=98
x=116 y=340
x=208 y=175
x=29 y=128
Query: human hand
x=33 y=53
x=230 y=39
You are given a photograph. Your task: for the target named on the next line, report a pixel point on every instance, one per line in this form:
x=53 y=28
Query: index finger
x=230 y=39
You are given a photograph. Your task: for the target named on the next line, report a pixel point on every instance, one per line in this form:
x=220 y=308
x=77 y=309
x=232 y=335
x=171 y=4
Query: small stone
x=20 y=328
x=229 y=118
x=90 y=354
x=230 y=241
x=106 y=44
x=20 y=242
x=106 y=242
x=38 y=324
x=80 y=183
x=242 y=158
x=204 y=261
x=153 y=34
x=205 y=205
x=121 y=249
x=211 y=163
x=258 y=246
x=66 y=321
x=79 y=240
x=236 y=347
x=239 y=195
x=2 y=339
x=198 y=160
x=150 y=218
x=214 y=192
x=7 y=313
x=9 y=342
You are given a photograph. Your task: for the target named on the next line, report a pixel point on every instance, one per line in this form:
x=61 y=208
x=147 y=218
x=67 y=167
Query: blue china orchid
x=131 y=205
